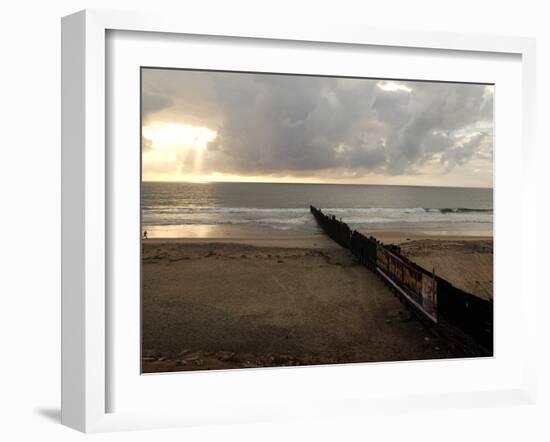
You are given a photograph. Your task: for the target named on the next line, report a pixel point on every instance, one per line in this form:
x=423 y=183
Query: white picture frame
x=86 y=207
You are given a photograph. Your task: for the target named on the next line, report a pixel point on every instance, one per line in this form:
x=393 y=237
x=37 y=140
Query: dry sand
x=465 y=263
x=211 y=304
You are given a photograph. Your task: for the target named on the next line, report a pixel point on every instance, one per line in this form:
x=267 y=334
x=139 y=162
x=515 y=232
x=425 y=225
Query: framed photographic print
x=241 y=270
x=273 y=222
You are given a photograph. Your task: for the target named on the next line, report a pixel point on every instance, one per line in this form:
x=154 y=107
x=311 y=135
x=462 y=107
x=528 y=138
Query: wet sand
x=217 y=304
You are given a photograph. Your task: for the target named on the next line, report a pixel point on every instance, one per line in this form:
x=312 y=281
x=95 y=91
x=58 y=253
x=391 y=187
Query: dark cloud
x=463 y=151
x=278 y=124
x=153 y=103
x=146 y=144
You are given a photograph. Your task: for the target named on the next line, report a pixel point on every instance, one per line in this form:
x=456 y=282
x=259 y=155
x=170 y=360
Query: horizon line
x=313 y=183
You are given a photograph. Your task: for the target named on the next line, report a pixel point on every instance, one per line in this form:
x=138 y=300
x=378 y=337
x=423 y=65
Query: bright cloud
x=283 y=127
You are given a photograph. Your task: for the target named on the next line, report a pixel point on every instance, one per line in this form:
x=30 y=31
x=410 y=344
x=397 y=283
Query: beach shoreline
x=395 y=232
x=319 y=240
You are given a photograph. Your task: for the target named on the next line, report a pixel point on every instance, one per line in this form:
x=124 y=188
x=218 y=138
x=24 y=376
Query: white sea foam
x=301 y=216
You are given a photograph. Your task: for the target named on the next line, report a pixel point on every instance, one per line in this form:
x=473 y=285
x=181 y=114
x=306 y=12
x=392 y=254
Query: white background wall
x=30 y=215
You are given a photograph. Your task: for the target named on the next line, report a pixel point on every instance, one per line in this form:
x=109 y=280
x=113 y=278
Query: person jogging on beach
x=145 y=234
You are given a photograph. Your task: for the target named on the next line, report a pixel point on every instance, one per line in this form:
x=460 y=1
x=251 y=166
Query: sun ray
x=170 y=146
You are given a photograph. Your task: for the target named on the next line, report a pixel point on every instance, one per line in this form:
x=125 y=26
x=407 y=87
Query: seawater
x=183 y=209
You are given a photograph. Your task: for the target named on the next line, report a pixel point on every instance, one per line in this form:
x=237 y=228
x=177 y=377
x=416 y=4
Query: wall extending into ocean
x=463 y=319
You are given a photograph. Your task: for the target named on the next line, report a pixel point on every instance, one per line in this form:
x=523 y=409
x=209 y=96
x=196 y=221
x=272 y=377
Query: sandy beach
x=465 y=261
x=215 y=304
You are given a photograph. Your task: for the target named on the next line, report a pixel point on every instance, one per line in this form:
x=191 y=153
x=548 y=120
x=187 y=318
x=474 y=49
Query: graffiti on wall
x=429 y=294
x=417 y=285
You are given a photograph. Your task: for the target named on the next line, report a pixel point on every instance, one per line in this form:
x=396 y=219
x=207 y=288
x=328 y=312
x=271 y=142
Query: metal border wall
x=464 y=319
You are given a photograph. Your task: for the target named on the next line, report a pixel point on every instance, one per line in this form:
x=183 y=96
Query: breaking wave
x=300 y=216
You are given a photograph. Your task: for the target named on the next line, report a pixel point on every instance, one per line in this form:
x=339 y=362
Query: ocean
x=263 y=209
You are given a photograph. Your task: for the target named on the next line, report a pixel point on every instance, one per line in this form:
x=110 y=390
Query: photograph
x=302 y=220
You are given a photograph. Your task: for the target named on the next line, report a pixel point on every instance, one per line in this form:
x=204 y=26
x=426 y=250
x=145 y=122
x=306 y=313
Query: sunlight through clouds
x=175 y=149
x=233 y=126
x=172 y=135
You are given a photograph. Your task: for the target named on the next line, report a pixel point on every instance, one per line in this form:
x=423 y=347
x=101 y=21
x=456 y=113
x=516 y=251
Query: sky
x=205 y=126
